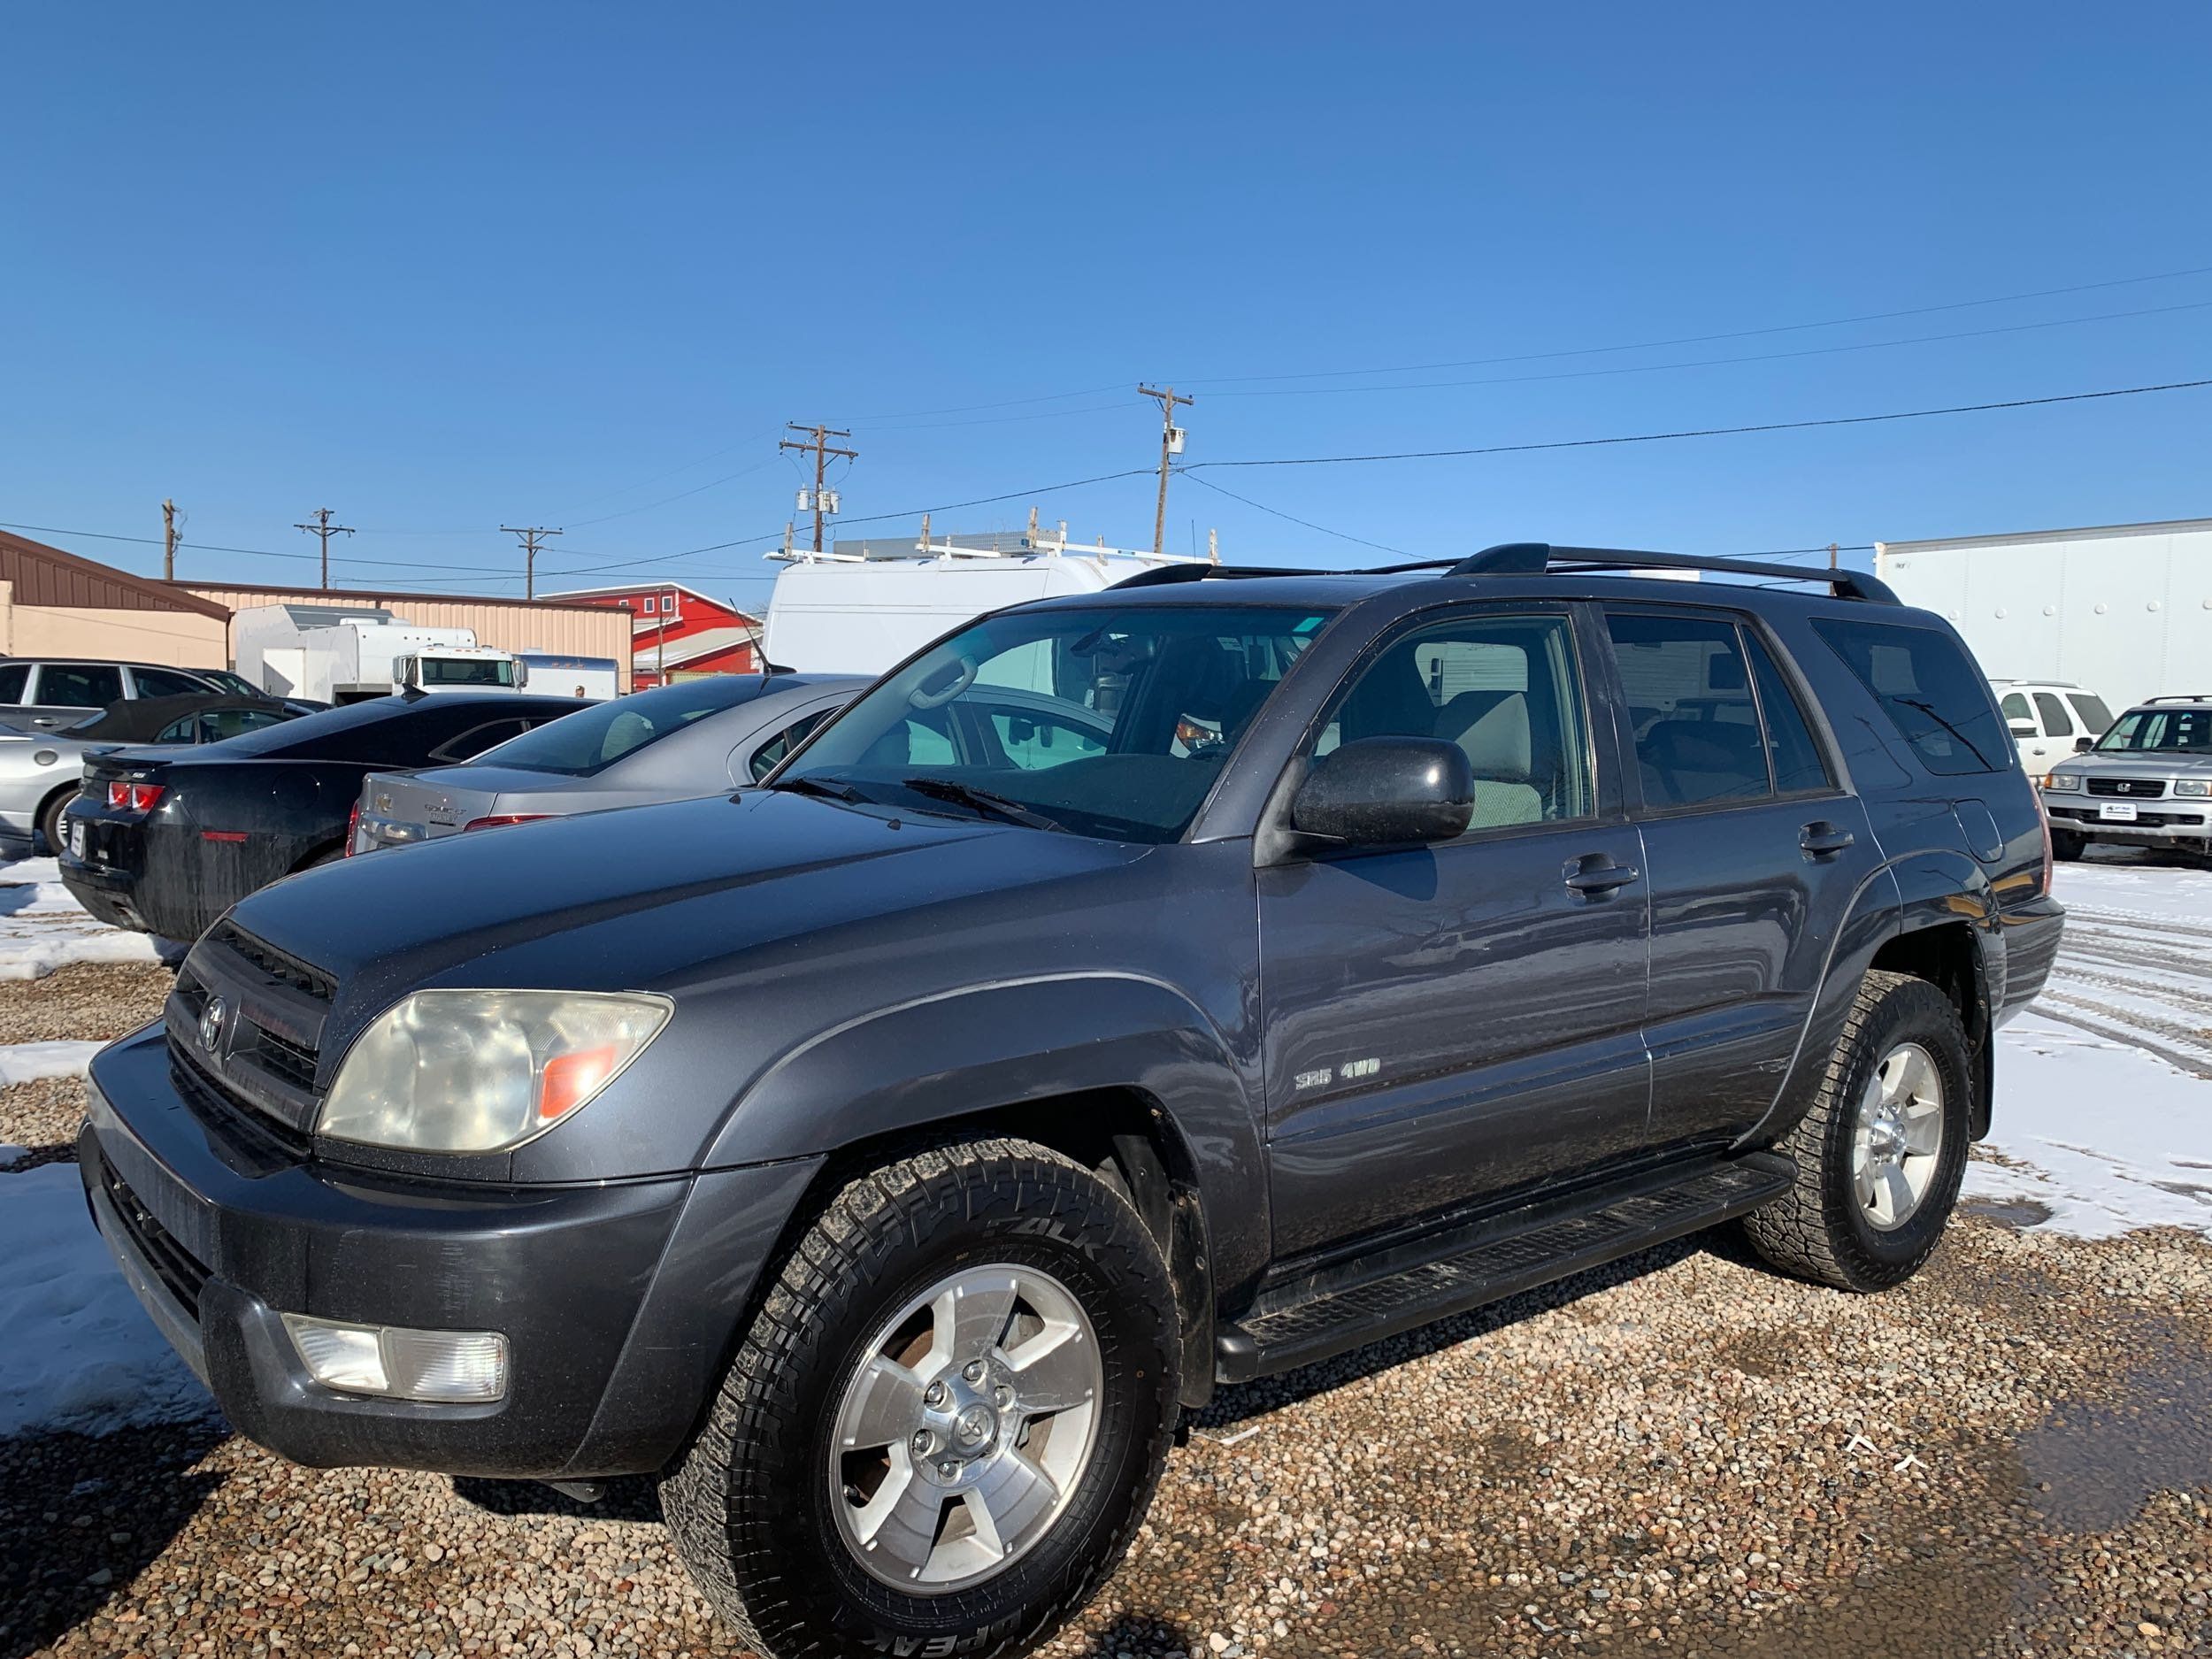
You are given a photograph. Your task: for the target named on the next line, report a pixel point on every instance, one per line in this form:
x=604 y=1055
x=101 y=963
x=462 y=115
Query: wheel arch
x=1948 y=952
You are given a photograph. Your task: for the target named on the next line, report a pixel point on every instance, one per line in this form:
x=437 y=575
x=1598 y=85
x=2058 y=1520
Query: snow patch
x=76 y=1350
x=42 y=928
x=26 y=1062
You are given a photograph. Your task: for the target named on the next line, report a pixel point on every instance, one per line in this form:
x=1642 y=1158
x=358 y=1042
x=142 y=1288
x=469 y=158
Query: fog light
x=400 y=1363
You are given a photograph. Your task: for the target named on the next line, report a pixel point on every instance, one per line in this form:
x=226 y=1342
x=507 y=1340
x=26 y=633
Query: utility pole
x=324 y=529
x=1832 y=556
x=168 y=540
x=817 y=442
x=1170 y=445
x=530 y=539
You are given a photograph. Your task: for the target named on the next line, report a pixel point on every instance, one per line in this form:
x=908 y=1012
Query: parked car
x=40 y=773
x=2050 y=720
x=47 y=695
x=164 y=841
x=885 y=1155
x=238 y=685
x=2148 y=782
x=705 y=736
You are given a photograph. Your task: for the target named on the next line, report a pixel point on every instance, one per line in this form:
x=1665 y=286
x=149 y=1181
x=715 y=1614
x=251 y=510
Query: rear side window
x=1698 y=740
x=1798 y=763
x=476 y=739
x=771 y=753
x=13 y=679
x=1931 y=692
x=80 y=684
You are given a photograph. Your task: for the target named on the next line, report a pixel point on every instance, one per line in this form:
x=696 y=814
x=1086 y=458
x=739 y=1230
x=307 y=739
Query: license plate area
x=2116 y=811
x=77 y=839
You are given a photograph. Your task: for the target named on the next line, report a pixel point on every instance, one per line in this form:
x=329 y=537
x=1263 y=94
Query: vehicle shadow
x=632 y=1498
x=81 y=1515
x=1234 y=1404
x=17 y=896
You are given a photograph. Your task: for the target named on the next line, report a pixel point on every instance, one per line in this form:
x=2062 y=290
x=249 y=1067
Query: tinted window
x=167 y=682
x=13 y=677
x=465 y=670
x=81 y=685
x=1033 y=739
x=1928 y=688
x=1689 y=695
x=2015 y=707
x=771 y=753
x=1504 y=690
x=388 y=731
x=2094 y=715
x=1165 y=689
x=2174 y=731
x=2056 y=720
x=215 y=725
x=1791 y=747
x=476 y=739
x=598 y=736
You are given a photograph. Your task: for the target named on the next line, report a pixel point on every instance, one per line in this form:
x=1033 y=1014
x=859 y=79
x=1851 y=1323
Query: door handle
x=1824 y=840
x=1595 y=875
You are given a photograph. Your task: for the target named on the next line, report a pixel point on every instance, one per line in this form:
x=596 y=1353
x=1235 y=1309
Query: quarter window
x=1505 y=690
x=13 y=679
x=1697 y=735
x=1930 y=690
x=771 y=753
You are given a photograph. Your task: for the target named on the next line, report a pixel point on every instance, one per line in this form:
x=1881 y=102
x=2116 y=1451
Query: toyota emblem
x=212 y=1023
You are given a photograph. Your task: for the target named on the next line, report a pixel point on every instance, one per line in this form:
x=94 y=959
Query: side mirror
x=2025 y=731
x=1386 y=791
x=2083 y=745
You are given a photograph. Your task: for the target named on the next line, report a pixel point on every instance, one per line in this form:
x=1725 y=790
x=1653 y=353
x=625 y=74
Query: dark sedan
x=165 y=842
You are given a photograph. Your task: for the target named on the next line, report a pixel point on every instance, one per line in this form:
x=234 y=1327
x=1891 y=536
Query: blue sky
x=443 y=268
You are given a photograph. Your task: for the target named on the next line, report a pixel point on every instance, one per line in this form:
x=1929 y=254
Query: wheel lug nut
x=934 y=1395
x=1003 y=1395
x=973 y=1371
x=924 y=1442
x=949 y=1468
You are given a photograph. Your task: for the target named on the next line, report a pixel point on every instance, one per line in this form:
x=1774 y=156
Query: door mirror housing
x=2083 y=745
x=2019 y=731
x=1385 y=791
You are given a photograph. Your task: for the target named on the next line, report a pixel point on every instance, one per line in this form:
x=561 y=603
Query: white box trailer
x=348 y=654
x=2125 y=610
x=861 y=616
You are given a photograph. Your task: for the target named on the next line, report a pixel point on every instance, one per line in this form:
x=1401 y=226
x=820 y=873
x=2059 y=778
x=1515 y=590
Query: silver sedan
x=697 y=737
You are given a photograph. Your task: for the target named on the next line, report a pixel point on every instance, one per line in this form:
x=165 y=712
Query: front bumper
x=2159 y=823
x=619 y=1300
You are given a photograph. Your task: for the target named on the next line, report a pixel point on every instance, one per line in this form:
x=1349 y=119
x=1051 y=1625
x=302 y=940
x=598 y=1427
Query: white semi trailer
x=340 y=654
x=2125 y=610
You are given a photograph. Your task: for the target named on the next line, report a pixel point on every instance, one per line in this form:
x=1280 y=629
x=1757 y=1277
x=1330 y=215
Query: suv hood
x=643 y=897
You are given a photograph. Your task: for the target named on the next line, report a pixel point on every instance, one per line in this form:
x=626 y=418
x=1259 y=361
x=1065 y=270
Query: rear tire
x=1881 y=1154
x=50 y=824
x=2067 y=845
x=850 y=1490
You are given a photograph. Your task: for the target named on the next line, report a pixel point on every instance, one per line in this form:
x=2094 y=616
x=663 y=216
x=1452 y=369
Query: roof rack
x=2179 y=696
x=1161 y=575
x=1534 y=558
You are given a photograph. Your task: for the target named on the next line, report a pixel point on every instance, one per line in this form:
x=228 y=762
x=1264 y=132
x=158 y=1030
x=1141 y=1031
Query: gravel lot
x=1682 y=1455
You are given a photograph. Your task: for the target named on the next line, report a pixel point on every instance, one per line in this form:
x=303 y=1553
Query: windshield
x=467 y=671
x=579 y=744
x=1107 y=721
x=2142 y=730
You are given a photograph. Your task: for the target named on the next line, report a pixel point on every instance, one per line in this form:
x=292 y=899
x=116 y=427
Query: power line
x=1706 y=362
x=250 y=552
x=1702 y=339
x=1342 y=535
x=1709 y=432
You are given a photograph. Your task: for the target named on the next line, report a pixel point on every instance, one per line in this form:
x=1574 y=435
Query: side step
x=1512 y=1252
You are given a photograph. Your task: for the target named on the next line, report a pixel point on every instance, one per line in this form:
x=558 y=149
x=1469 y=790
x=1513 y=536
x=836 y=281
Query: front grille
x=280 y=1057
x=2131 y=788
x=286 y=970
x=211 y=1100
x=177 y=1269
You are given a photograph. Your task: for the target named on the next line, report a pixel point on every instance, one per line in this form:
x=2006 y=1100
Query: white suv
x=2049 y=718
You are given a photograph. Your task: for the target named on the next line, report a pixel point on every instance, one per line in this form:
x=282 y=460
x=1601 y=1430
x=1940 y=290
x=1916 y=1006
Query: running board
x=1516 y=1251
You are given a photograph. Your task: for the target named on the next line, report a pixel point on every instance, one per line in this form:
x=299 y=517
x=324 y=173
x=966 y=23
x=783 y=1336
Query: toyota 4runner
x=886 y=1156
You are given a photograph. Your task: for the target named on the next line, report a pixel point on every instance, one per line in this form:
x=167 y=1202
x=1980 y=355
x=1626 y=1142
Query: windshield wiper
x=806 y=785
x=1930 y=710
x=982 y=799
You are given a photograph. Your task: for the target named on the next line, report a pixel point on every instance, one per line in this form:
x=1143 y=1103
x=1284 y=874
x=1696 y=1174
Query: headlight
x=479 y=1070
x=2059 y=782
x=2197 y=787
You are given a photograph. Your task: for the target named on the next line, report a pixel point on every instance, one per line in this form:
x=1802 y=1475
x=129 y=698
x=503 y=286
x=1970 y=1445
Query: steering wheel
x=964 y=673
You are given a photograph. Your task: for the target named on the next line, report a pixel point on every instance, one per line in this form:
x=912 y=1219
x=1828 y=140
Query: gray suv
x=886 y=1156
x=2148 y=782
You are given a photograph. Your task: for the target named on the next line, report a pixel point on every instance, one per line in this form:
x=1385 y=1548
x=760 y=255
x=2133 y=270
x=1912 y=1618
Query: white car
x=2050 y=719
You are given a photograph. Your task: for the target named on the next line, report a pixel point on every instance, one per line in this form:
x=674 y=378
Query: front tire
x=1882 y=1152
x=947 y=1418
x=2067 y=845
x=50 y=824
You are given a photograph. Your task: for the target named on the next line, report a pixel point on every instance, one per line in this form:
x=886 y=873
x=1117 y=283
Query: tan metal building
x=564 y=628
x=53 y=604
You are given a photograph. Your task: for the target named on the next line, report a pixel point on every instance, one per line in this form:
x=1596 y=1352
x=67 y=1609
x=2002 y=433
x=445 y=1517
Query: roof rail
x=2179 y=696
x=1160 y=575
x=1534 y=558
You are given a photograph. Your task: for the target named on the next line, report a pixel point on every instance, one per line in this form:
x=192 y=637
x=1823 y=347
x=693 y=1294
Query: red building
x=678 y=632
